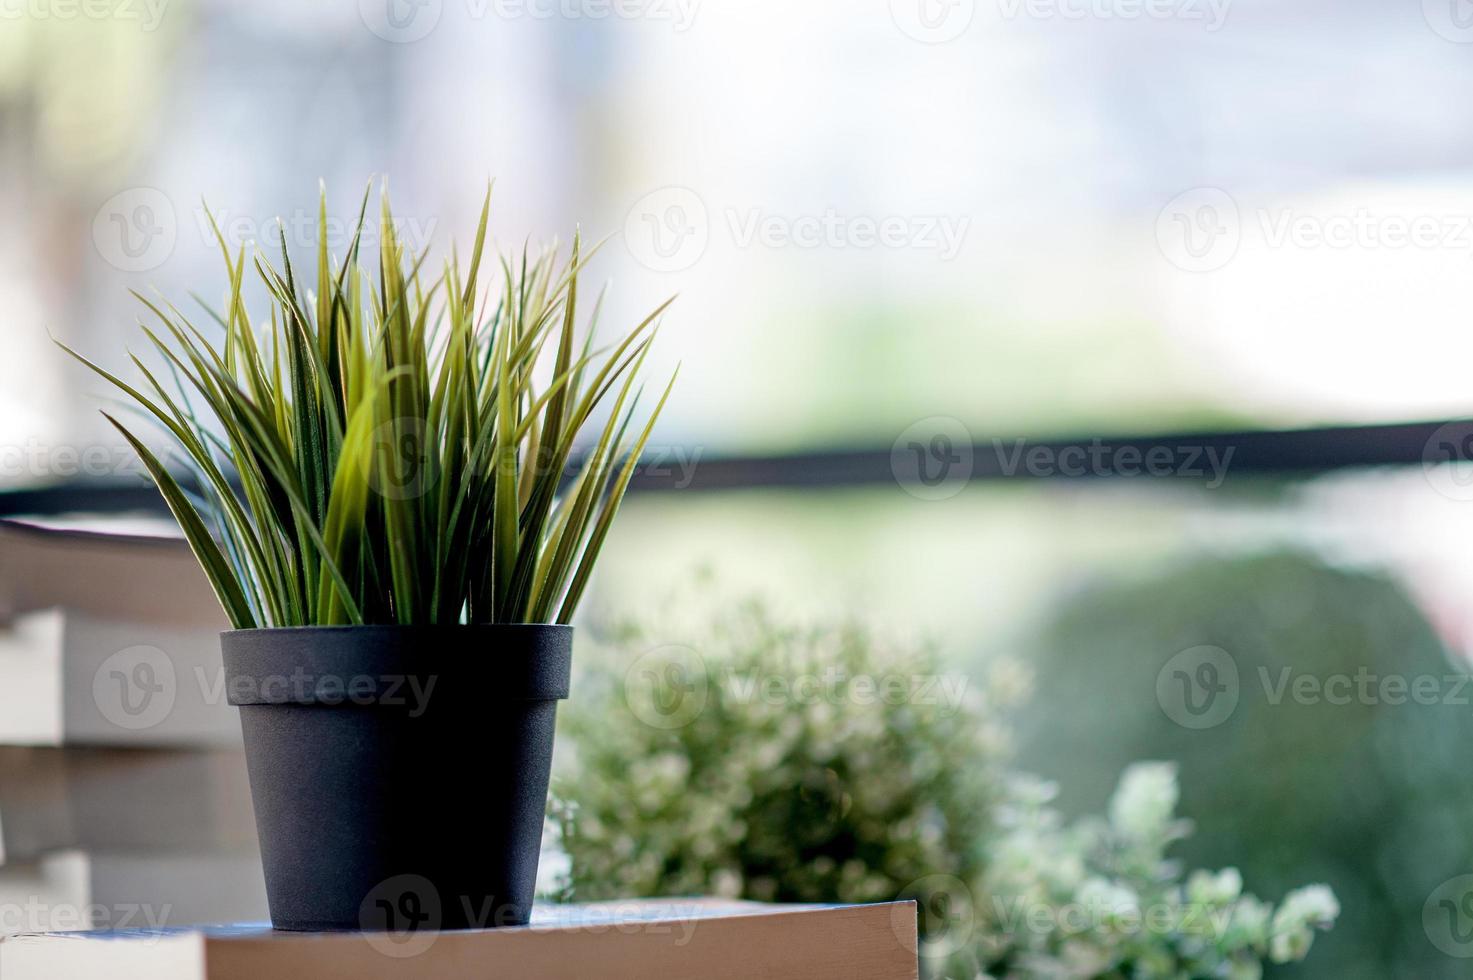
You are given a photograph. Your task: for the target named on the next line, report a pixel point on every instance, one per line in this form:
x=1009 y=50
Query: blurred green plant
x=782 y=769
x=765 y=761
x=397 y=460
x=1098 y=898
x=1361 y=785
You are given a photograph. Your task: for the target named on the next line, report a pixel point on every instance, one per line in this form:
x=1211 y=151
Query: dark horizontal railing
x=1206 y=456
x=1292 y=452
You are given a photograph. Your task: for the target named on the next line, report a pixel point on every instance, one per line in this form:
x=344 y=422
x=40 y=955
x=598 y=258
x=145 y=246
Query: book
x=127 y=570
x=122 y=800
x=87 y=890
x=68 y=677
x=619 y=941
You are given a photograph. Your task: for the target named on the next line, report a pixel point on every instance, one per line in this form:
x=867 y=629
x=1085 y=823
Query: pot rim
x=395 y=628
x=315 y=664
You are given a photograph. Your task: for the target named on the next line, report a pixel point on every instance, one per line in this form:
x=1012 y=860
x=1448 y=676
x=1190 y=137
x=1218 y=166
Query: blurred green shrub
x=779 y=763
x=775 y=763
x=1099 y=899
x=1308 y=755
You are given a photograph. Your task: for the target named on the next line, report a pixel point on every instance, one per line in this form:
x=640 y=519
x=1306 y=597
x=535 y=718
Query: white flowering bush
x=1267 y=787
x=766 y=761
x=788 y=764
x=1099 y=899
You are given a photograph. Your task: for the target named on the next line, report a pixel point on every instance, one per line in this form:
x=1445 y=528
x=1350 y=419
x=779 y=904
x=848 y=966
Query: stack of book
x=123 y=792
x=126 y=833
x=689 y=940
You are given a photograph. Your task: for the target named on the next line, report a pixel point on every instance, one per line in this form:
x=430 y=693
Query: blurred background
x=913 y=240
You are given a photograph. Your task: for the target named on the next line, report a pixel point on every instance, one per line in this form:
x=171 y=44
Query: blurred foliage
x=823 y=764
x=774 y=773
x=1371 y=796
x=1099 y=898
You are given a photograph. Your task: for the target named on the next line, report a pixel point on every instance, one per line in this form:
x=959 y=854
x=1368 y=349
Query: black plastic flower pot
x=399 y=773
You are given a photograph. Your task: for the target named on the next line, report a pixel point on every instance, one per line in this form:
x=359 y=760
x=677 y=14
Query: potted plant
x=389 y=492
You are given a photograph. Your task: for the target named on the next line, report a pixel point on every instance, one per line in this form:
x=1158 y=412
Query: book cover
x=109 y=569
x=73 y=678
x=611 y=941
x=119 y=800
x=76 y=890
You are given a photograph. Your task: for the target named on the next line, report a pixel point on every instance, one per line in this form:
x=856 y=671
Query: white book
x=681 y=939
x=75 y=890
x=70 y=678
x=112 y=569
x=123 y=800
